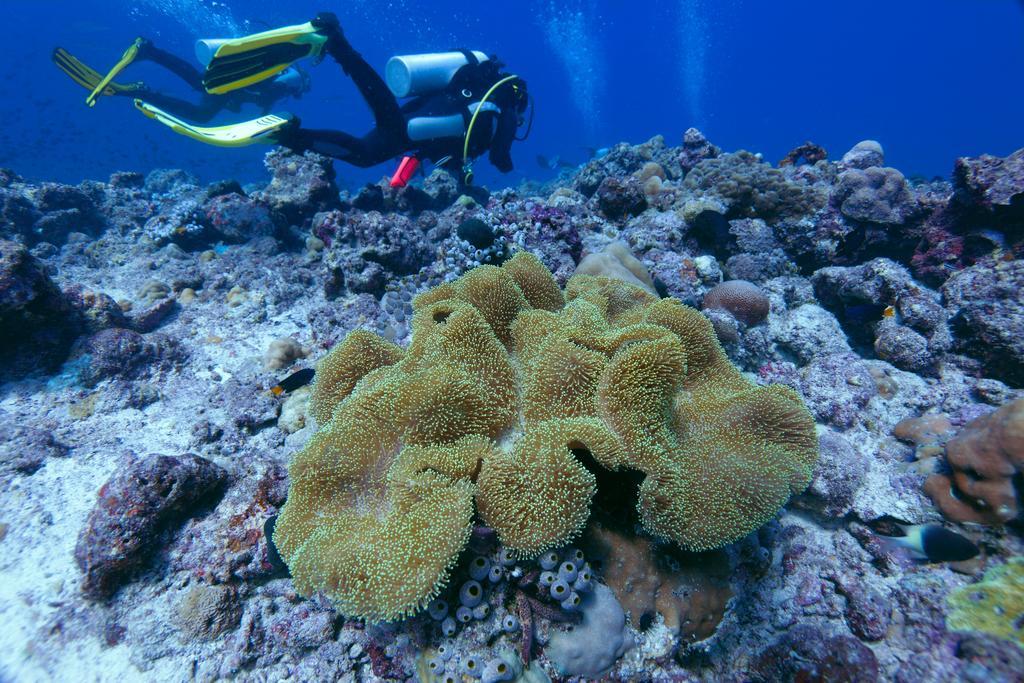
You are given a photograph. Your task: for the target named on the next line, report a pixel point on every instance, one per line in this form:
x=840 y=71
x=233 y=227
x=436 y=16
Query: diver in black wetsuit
x=291 y=83
x=494 y=130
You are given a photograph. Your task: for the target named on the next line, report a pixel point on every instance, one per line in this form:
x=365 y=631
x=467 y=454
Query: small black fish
x=932 y=543
x=297 y=379
x=273 y=557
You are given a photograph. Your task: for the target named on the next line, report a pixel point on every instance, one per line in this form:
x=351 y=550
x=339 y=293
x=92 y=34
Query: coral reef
x=751 y=188
x=482 y=384
x=688 y=592
x=865 y=154
x=874 y=195
x=616 y=261
x=743 y=300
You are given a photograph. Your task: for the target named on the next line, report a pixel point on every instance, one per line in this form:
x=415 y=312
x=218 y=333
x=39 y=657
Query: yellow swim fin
x=261 y=130
x=127 y=58
x=87 y=77
x=241 y=62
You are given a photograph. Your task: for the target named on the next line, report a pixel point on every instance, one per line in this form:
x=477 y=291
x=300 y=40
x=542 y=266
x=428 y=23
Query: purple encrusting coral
x=135 y=316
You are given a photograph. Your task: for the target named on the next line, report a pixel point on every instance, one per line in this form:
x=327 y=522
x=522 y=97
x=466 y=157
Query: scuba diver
x=289 y=83
x=462 y=106
x=461 y=102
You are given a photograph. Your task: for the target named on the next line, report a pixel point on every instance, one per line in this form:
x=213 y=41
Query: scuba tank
x=412 y=75
x=422 y=128
x=430 y=127
x=207 y=48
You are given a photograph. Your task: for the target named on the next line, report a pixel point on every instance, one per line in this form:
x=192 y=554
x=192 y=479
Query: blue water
x=932 y=80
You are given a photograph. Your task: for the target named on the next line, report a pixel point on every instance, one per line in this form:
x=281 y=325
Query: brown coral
x=986 y=457
x=690 y=592
x=505 y=390
x=809 y=152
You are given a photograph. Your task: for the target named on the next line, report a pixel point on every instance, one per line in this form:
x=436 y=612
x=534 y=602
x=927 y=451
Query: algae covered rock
x=508 y=387
x=994 y=605
x=751 y=188
x=140 y=500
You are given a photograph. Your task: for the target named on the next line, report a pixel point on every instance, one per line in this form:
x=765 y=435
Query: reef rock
x=131 y=510
x=988 y=316
x=302 y=185
x=696 y=149
x=37 y=323
x=992 y=183
x=806 y=653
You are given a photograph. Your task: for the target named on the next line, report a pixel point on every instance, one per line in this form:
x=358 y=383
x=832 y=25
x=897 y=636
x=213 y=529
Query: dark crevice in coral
x=858 y=322
x=614 y=502
x=711 y=230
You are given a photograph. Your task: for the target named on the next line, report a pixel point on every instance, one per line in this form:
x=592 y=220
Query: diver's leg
x=332 y=143
x=193 y=113
x=363 y=152
x=173 y=63
x=386 y=112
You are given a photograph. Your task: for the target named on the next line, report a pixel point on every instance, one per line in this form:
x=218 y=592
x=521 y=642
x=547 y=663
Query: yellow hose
x=472 y=122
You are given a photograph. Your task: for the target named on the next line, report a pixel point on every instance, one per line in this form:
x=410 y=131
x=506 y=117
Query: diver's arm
x=504 y=134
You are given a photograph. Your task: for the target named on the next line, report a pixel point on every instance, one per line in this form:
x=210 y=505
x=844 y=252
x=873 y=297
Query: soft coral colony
x=509 y=390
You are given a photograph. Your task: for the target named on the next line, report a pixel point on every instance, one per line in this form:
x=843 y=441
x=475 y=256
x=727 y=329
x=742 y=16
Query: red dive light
x=406 y=170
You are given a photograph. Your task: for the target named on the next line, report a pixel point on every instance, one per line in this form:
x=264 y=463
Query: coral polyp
x=506 y=384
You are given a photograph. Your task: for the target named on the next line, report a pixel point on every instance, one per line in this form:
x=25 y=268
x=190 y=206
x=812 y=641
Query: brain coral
x=744 y=300
x=505 y=382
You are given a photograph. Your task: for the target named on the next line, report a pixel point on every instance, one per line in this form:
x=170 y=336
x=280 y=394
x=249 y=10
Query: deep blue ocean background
x=930 y=79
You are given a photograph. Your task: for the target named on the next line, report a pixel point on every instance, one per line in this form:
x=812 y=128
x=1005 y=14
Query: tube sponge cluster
x=506 y=381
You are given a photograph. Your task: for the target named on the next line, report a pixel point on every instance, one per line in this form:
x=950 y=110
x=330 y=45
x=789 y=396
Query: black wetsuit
x=389 y=138
x=264 y=95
